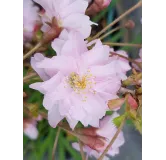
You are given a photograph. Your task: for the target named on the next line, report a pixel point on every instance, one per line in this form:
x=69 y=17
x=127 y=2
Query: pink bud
x=94 y=142
x=106 y=3
x=132 y=102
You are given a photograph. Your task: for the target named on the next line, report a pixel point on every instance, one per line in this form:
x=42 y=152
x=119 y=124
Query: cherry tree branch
x=81 y=149
x=55 y=144
x=139 y=4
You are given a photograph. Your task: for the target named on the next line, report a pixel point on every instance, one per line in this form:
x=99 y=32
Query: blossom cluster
x=82 y=77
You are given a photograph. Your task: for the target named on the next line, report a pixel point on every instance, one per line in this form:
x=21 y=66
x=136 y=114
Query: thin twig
x=123 y=44
x=110 y=32
x=139 y=4
x=113 y=139
x=32 y=50
x=55 y=143
x=32 y=75
x=81 y=149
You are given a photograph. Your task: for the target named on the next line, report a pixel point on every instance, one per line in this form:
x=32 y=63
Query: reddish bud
x=94 y=142
x=53 y=32
x=132 y=102
x=130 y=24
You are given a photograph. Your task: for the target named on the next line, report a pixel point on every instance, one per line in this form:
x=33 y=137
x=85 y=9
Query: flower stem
x=139 y=4
x=55 y=144
x=32 y=75
x=123 y=44
x=110 y=32
x=38 y=45
x=81 y=149
x=113 y=139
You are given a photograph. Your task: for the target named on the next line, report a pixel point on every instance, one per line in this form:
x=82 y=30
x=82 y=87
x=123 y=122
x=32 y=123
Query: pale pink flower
x=70 y=15
x=30 y=18
x=138 y=60
x=121 y=65
x=107 y=130
x=30 y=129
x=81 y=82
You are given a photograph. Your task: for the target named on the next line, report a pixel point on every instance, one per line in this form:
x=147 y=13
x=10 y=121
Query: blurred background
x=41 y=148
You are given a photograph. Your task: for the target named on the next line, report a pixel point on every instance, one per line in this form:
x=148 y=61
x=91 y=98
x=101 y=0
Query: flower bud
x=106 y=3
x=53 y=32
x=132 y=102
x=130 y=24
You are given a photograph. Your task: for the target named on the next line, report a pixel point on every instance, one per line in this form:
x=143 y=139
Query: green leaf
x=61 y=151
x=138 y=125
x=109 y=112
x=118 y=120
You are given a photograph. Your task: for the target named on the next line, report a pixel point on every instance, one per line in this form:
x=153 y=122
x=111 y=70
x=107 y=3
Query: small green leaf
x=118 y=120
x=138 y=125
x=109 y=112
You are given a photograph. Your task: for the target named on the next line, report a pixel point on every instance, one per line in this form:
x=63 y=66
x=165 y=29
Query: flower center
x=80 y=84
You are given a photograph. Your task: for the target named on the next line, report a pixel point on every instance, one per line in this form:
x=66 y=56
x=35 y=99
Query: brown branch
x=55 y=144
x=110 y=32
x=123 y=44
x=81 y=149
x=32 y=75
x=139 y=4
x=32 y=50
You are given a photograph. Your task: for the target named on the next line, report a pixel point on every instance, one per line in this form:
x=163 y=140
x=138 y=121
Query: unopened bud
x=53 y=32
x=94 y=142
x=132 y=102
x=130 y=24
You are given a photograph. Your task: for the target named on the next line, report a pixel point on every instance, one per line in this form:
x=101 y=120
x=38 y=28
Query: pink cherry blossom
x=30 y=18
x=70 y=15
x=80 y=83
x=107 y=130
x=121 y=65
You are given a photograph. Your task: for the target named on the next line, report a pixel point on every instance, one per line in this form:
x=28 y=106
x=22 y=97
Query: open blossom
x=121 y=65
x=107 y=130
x=77 y=83
x=30 y=18
x=69 y=14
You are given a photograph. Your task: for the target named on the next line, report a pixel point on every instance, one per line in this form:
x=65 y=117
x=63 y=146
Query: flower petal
x=54 y=116
x=57 y=63
x=38 y=57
